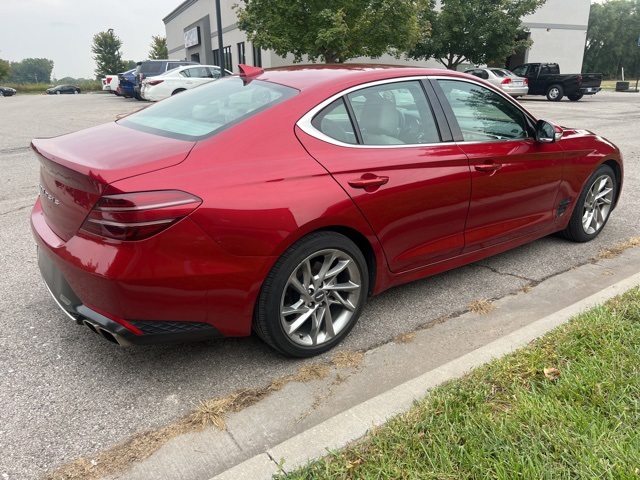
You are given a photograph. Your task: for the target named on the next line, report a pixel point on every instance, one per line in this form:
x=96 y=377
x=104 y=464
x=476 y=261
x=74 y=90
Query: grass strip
x=565 y=407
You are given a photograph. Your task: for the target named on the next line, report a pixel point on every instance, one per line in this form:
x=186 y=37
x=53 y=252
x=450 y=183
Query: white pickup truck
x=110 y=83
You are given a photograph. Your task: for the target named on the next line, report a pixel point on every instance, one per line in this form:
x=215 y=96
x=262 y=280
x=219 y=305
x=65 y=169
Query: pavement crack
x=505 y=274
x=279 y=464
x=237 y=444
x=14 y=210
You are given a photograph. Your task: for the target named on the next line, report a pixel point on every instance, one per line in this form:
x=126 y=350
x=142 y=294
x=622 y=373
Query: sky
x=63 y=30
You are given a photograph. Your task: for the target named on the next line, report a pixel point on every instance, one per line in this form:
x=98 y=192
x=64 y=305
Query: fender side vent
x=562 y=206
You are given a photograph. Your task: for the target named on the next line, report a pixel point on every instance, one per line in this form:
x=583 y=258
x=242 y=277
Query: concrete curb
x=352 y=424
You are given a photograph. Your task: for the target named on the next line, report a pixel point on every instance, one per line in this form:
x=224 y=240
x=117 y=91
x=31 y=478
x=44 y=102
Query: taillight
x=525 y=81
x=109 y=79
x=506 y=81
x=139 y=215
x=155 y=82
x=579 y=79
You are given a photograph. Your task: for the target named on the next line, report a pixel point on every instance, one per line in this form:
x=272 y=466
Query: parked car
x=508 y=81
x=178 y=80
x=152 y=68
x=281 y=200
x=60 y=89
x=126 y=83
x=7 y=91
x=110 y=83
x=546 y=79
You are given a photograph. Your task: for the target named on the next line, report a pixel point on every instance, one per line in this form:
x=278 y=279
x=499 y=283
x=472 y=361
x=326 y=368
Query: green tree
x=31 y=70
x=476 y=31
x=333 y=31
x=106 y=47
x=158 y=48
x=612 y=38
x=5 y=69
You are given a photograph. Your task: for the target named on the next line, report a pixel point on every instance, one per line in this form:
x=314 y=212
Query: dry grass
x=208 y=413
x=405 y=338
x=526 y=289
x=616 y=250
x=347 y=359
x=481 y=307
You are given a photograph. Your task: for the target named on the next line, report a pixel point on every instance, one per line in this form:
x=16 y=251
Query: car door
x=383 y=144
x=514 y=178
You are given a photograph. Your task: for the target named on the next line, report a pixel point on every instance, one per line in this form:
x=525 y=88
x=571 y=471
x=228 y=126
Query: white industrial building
x=558 y=30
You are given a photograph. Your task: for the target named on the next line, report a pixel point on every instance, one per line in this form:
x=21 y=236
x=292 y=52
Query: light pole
x=220 y=44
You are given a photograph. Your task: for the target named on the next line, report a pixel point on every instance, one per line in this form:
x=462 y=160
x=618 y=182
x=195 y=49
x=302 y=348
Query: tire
x=58 y=92
x=555 y=93
x=313 y=296
x=593 y=207
x=178 y=91
x=75 y=92
x=574 y=98
x=1 y=94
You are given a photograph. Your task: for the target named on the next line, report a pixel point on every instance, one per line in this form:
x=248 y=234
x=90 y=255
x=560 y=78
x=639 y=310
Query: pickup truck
x=546 y=79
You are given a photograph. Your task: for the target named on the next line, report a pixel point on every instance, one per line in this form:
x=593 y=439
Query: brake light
x=579 y=79
x=506 y=81
x=525 y=81
x=139 y=215
x=155 y=82
x=109 y=79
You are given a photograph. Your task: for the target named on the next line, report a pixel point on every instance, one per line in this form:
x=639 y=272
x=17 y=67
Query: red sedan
x=280 y=200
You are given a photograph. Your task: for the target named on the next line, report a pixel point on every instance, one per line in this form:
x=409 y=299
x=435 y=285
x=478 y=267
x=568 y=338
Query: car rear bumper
x=516 y=91
x=161 y=292
x=124 y=333
x=589 y=90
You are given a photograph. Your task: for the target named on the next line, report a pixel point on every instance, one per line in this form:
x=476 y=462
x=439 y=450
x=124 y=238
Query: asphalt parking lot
x=66 y=393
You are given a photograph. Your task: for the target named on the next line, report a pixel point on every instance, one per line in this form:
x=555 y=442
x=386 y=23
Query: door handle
x=368 y=180
x=488 y=167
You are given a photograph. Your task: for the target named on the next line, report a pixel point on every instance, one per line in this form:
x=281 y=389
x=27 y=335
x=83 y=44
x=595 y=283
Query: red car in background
x=280 y=200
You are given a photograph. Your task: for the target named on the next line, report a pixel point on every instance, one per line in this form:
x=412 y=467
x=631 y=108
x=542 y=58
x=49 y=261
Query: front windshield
x=206 y=110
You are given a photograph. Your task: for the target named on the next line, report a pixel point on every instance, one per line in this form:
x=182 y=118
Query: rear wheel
x=593 y=206
x=313 y=295
x=555 y=93
x=574 y=98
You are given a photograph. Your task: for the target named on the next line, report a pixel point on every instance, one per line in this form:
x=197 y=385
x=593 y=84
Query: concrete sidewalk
x=304 y=420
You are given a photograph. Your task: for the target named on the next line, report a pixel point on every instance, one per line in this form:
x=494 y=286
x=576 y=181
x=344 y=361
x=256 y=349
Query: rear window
x=150 y=67
x=204 y=111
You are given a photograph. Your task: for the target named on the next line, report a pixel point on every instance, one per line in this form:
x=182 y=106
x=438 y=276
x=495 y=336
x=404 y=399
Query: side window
x=520 y=71
x=172 y=65
x=334 y=122
x=482 y=114
x=184 y=73
x=213 y=72
x=394 y=114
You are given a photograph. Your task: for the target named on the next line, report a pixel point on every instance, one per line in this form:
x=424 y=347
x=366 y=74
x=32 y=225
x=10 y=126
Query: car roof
x=304 y=77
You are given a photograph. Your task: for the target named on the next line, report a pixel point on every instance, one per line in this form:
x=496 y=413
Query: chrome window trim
x=305 y=121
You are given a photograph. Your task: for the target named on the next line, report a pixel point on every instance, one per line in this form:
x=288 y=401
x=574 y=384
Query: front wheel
x=593 y=207
x=555 y=93
x=574 y=98
x=313 y=295
x=58 y=92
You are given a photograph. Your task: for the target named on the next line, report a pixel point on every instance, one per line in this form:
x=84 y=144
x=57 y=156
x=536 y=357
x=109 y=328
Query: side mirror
x=547 y=132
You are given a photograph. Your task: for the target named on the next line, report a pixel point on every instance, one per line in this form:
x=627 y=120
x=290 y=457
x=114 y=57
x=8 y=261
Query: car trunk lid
x=75 y=169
